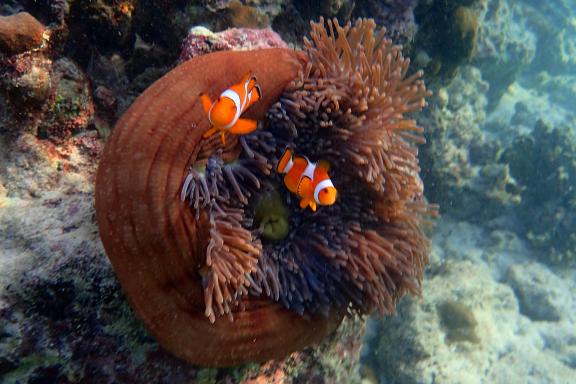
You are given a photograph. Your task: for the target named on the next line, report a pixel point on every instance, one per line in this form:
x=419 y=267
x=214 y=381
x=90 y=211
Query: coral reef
x=447 y=35
x=54 y=94
x=490 y=109
x=505 y=47
x=546 y=214
x=107 y=24
x=499 y=154
x=461 y=168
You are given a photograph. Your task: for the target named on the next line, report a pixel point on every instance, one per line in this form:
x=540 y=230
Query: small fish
x=310 y=181
x=224 y=114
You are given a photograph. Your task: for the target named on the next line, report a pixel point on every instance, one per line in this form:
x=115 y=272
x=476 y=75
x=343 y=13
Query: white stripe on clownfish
x=309 y=170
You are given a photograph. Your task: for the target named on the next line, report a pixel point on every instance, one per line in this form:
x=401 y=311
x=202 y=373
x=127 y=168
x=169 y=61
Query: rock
x=201 y=40
x=20 y=33
x=458 y=322
x=31 y=86
x=542 y=295
x=468 y=328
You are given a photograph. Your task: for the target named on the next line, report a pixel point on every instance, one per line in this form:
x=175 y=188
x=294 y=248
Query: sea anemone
x=197 y=232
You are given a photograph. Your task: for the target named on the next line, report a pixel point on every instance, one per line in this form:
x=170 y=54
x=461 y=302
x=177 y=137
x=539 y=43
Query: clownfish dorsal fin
x=323 y=164
x=247 y=76
x=258 y=91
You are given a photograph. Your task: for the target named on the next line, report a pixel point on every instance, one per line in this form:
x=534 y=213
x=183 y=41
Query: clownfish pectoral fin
x=284 y=160
x=209 y=132
x=305 y=188
x=244 y=126
x=206 y=102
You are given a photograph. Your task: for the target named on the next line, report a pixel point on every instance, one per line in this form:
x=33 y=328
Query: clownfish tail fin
x=284 y=160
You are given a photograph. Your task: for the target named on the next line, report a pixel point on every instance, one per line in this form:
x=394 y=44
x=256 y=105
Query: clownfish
x=310 y=181
x=224 y=113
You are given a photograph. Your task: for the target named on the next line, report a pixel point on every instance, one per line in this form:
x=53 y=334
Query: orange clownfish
x=224 y=113
x=310 y=181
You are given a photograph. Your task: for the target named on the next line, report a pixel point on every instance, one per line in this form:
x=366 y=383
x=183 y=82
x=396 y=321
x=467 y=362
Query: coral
x=246 y=16
x=20 y=33
x=107 y=23
x=543 y=165
x=447 y=35
x=28 y=83
x=461 y=169
x=396 y=15
x=330 y=8
x=53 y=97
x=505 y=47
x=71 y=108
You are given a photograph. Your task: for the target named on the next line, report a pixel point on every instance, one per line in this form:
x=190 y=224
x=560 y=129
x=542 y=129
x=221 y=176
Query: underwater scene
x=287 y=191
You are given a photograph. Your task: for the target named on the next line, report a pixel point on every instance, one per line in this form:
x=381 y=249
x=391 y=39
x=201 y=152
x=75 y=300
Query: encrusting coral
x=240 y=246
x=20 y=33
